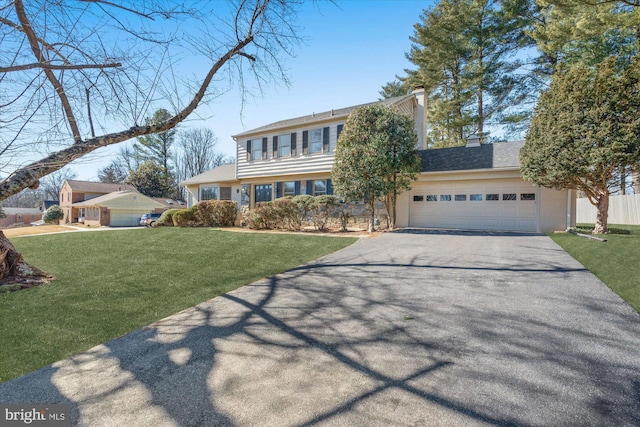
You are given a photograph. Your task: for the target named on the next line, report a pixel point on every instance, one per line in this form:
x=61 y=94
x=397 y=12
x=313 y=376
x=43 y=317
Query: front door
x=263 y=193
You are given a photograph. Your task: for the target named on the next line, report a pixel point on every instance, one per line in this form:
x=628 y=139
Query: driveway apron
x=410 y=328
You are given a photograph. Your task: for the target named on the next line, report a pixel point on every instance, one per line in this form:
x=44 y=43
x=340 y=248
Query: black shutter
x=293 y=144
x=278 y=190
x=248 y=150
x=309 y=187
x=297 y=186
x=264 y=148
x=305 y=142
x=339 y=131
x=325 y=139
x=329 y=187
x=275 y=147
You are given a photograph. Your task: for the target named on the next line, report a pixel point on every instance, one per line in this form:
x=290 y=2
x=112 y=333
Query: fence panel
x=622 y=210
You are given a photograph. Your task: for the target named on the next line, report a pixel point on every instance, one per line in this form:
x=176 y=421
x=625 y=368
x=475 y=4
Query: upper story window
x=315 y=140
x=256 y=149
x=284 y=145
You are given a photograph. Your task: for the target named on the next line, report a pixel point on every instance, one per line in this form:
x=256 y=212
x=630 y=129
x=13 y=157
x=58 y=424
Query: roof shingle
x=319 y=117
x=499 y=155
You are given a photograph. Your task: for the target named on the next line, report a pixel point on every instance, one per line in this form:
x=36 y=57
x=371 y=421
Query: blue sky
x=351 y=49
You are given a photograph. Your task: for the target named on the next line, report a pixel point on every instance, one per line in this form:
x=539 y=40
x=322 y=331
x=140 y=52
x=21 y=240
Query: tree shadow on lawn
x=354 y=338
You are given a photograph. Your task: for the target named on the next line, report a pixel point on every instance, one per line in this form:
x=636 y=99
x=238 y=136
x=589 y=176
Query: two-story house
x=73 y=191
x=477 y=187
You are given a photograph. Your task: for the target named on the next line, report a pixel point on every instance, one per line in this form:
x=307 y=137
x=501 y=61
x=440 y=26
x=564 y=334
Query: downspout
x=538 y=203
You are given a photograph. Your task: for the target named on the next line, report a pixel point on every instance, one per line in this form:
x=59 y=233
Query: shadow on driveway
x=405 y=329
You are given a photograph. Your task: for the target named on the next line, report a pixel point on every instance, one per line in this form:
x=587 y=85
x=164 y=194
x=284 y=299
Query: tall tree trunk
x=602 y=214
x=14 y=269
x=623 y=180
x=635 y=178
x=372 y=212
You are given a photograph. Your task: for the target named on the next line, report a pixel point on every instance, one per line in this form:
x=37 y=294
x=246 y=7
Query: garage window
x=461 y=197
x=432 y=198
x=509 y=196
x=493 y=197
x=475 y=197
x=527 y=196
x=418 y=198
x=445 y=197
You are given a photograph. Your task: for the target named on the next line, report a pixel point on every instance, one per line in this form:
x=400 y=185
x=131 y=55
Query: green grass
x=614 y=262
x=112 y=282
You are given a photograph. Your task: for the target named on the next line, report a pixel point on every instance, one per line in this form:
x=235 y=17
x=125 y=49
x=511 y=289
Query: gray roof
x=98 y=187
x=220 y=174
x=499 y=155
x=97 y=201
x=320 y=117
x=22 y=211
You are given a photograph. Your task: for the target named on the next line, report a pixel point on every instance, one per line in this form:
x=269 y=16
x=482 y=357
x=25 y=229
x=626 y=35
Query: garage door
x=506 y=205
x=125 y=218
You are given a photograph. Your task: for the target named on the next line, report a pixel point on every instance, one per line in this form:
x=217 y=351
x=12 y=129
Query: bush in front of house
x=166 y=219
x=217 y=213
x=186 y=217
x=53 y=215
x=322 y=209
x=291 y=213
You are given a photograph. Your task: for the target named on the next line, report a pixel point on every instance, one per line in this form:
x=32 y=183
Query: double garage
x=510 y=204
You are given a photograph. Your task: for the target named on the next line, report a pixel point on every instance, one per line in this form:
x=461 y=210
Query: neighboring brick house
x=73 y=191
x=21 y=216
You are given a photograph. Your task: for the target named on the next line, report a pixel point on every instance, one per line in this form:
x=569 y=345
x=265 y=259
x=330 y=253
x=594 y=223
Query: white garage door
x=506 y=205
x=125 y=218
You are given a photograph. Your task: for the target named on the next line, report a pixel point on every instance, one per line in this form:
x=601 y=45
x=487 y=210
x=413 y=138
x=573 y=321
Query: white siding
x=298 y=164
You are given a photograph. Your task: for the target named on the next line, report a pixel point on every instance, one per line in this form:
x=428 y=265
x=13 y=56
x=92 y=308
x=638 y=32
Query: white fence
x=622 y=210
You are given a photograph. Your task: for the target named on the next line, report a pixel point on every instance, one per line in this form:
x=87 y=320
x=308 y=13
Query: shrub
x=217 y=213
x=280 y=214
x=54 y=214
x=166 y=219
x=186 y=217
x=303 y=203
x=322 y=210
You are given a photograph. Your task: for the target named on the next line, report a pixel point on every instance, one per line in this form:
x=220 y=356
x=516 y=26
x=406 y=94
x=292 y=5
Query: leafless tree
x=196 y=154
x=79 y=75
x=198 y=151
x=52 y=183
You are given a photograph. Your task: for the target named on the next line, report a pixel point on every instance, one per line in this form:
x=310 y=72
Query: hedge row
x=208 y=213
x=291 y=213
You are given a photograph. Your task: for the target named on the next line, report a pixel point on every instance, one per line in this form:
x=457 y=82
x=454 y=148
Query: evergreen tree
x=157 y=147
x=395 y=88
x=151 y=181
x=465 y=53
x=375 y=157
x=585 y=127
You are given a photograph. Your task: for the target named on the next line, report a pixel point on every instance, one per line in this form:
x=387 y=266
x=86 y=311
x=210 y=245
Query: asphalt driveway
x=411 y=328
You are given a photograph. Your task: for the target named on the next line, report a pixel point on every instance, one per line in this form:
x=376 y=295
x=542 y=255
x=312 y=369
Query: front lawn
x=110 y=283
x=614 y=262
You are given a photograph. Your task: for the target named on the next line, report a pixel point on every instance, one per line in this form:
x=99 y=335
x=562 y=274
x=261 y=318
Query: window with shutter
x=284 y=145
x=256 y=149
x=305 y=142
x=265 y=143
x=315 y=141
x=248 y=150
x=293 y=144
x=325 y=139
x=275 y=147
